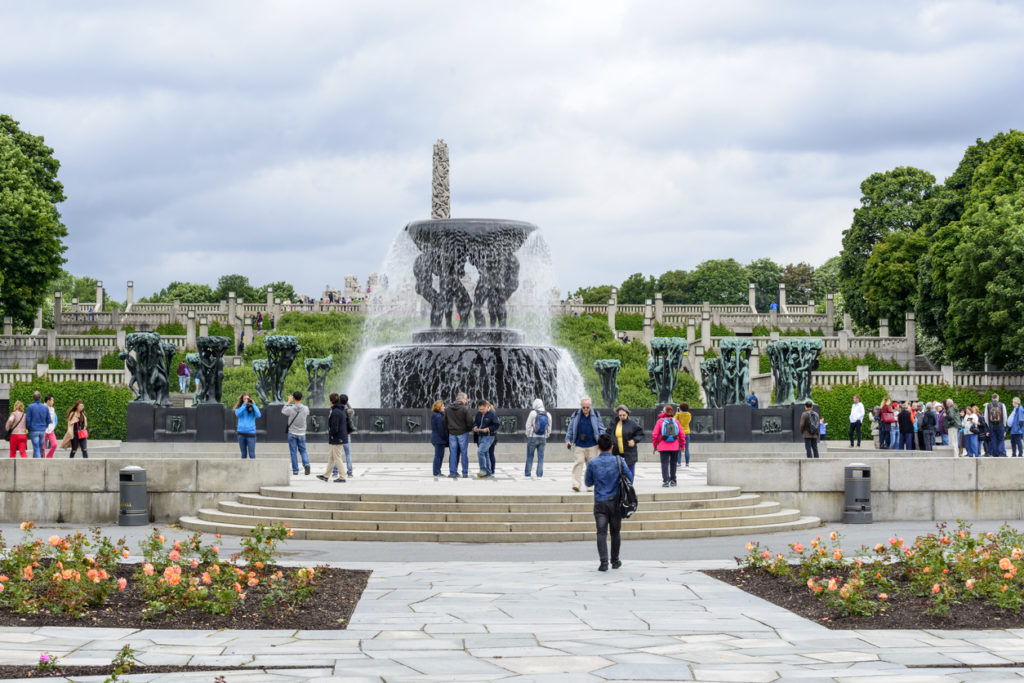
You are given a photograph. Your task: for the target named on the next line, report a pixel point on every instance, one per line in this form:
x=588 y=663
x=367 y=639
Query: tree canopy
x=239 y=284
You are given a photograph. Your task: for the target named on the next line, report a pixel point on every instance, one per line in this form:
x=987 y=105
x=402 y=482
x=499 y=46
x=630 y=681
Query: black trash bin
x=857 y=509
x=134 y=499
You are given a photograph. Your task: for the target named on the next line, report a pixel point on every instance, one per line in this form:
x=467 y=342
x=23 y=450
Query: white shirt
x=53 y=421
x=857 y=412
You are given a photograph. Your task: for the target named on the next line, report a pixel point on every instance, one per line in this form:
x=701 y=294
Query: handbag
x=625 y=499
x=82 y=434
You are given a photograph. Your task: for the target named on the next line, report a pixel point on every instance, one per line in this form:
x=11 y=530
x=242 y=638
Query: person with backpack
x=927 y=424
x=337 y=433
x=603 y=476
x=810 y=426
x=1016 y=424
x=995 y=417
x=538 y=429
x=626 y=434
x=183 y=376
x=952 y=424
x=581 y=437
x=668 y=439
x=458 y=420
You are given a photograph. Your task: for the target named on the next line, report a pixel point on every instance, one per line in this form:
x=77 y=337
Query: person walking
x=246 y=413
x=77 y=435
x=183 y=376
x=626 y=434
x=337 y=433
x=668 y=438
x=581 y=437
x=856 y=419
x=485 y=425
x=458 y=420
x=438 y=435
x=350 y=429
x=37 y=419
x=603 y=476
x=1016 y=424
x=905 y=422
x=17 y=434
x=538 y=429
x=683 y=417
x=951 y=423
x=971 y=430
x=296 y=413
x=809 y=429
x=995 y=417
x=50 y=437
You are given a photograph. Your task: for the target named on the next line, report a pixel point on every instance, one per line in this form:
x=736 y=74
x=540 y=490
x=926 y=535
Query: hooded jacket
x=458 y=419
x=337 y=425
x=672 y=446
x=531 y=420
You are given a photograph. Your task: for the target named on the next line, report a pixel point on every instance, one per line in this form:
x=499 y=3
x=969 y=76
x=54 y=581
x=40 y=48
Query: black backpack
x=625 y=499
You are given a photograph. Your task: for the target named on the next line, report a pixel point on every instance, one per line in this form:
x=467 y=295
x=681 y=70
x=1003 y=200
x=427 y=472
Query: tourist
x=337 y=434
x=438 y=435
x=895 y=435
x=538 y=429
x=995 y=417
x=51 y=438
x=856 y=419
x=17 y=434
x=296 y=413
x=494 y=443
x=971 y=431
x=247 y=413
x=683 y=417
x=37 y=419
x=182 y=376
x=581 y=438
x=809 y=421
x=905 y=421
x=241 y=345
x=874 y=418
x=485 y=426
x=603 y=476
x=927 y=425
x=918 y=414
x=983 y=431
x=668 y=439
x=77 y=435
x=625 y=434
x=885 y=424
x=752 y=400
x=821 y=431
x=952 y=424
x=350 y=413
x=1015 y=423
x=458 y=420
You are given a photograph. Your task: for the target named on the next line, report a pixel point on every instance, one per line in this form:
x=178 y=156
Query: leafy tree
x=597 y=294
x=765 y=275
x=636 y=289
x=239 y=284
x=799 y=281
x=722 y=281
x=676 y=288
x=282 y=291
x=825 y=279
x=186 y=292
x=889 y=282
x=72 y=287
x=30 y=228
x=892 y=201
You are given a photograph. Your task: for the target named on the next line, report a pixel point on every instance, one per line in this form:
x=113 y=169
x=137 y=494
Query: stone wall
x=902 y=488
x=88 y=491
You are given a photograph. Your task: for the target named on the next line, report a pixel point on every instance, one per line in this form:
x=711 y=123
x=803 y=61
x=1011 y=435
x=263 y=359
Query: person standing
x=77 y=435
x=494 y=443
x=581 y=438
x=246 y=413
x=458 y=420
x=625 y=434
x=51 y=438
x=928 y=422
x=337 y=433
x=668 y=438
x=37 y=419
x=296 y=413
x=1016 y=424
x=183 y=376
x=951 y=423
x=752 y=400
x=485 y=426
x=683 y=417
x=538 y=429
x=971 y=429
x=885 y=424
x=896 y=435
x=603 y=475
x=350 y=429
x=809 y=429
x=995 y=417
x=856 y=419
x=906 y=426
x=17 y=434
x=438 y=435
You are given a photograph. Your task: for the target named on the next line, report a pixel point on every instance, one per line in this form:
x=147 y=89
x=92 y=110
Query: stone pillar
x=277 y=311
x=122 y=339
x=176 y=311
x=248 y=329
x=204 y=327
x=783 y=309
x=131 y=296
x=659 y=308
x=947 y=375
x=755 y=360
x=830 y=312
x=752 y=297
x=8 y=326
x=270 y=300
x=911 y=334
x=74 y=304
x=844 y=340
x=612 y=308
x=648 y=309
x=99 y=296
x=847 y=322
x=691 y=332
x=38 y=324
x=42 y=369
x=883 y=327
x=615 y=295
x=58 y=309
x=190 y=330
x=705 y=329
x=648 y=331
x=232 y=309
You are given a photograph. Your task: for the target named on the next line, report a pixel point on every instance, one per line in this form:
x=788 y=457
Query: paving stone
x=676 y=671
x=740 y=674
x=551 y=665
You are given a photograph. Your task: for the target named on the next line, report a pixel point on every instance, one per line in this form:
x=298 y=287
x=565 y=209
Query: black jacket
x=458 y=419
x=337 y=425
x=488 y=421
x=906 y=422
x=438 y=434
x=631 y=431
x=929 y=421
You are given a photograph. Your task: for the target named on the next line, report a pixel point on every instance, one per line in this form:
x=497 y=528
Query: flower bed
x=78 y=578
x=949 y=579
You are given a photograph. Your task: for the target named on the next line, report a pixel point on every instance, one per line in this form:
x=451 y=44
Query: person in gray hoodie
x=538 y=429
x=296 y=413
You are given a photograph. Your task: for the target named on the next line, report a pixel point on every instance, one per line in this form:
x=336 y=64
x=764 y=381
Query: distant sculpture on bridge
x=211 y=368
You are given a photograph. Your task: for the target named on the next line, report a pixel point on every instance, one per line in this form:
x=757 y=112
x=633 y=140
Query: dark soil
x=330 y=607
x=902 y=610
x=7 y=671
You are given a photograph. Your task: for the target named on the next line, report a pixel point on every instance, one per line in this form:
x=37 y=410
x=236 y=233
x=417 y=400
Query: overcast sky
x=292 y=140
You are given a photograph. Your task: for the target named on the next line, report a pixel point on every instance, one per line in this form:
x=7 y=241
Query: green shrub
x=106 y=407
x=110 y=361
x=216 y=329
x=57 y=363
x=170 y=329
x=761 y=331
x=720 y=331
x=668 y=330
x=100 y=330
x=835 y=406
x=634 y=322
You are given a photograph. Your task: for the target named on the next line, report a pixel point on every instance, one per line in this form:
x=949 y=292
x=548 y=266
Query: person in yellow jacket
x=683 y=418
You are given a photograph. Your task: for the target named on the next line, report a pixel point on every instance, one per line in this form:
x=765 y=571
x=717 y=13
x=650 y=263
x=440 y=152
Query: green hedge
x=106 y=407
x=835 y=407
x=842 y=363
x=57 y=363
x=215 y=329
x=110 y=361
x=720 y=331
x=634 y=322
x=170 y=329
x=668 y=330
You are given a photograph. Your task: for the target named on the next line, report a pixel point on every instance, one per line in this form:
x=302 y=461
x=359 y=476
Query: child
x=821 y=429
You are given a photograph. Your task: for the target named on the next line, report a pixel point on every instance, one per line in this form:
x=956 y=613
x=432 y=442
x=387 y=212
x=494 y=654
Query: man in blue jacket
x=581 y=436
x=603 y=475
x=37 y=419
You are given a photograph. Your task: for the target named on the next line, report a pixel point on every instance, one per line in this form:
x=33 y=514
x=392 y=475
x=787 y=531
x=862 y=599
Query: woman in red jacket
x=668 y=440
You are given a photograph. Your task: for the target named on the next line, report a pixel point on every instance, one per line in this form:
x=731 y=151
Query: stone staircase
x=523 y=518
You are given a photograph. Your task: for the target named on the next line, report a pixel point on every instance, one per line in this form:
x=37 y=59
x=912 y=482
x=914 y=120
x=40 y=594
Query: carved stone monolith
x=150 y=367
x=608 y=370
x=317 y=370
x=281 y=353
x=664 y=365
x=211 y=368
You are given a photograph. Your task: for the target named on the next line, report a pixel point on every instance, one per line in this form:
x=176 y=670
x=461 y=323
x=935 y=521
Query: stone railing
x=22 y=340
x=8 y=377
x=109 y=377
x=102 y=341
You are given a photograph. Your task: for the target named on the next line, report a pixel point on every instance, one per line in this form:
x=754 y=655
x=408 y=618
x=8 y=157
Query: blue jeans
x=297 y=443
x=907 y=441
x=895 y=438
x=348 y=459
x=945 y=438
x=37 y=439
x=971 y=444
x=535 y=443
x=182 y=383
x=438 y=458
x=247 y=444
x=1017 y=445
x=483 y=454
x=684 y=452
x=996 y=441
x=458 y=447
